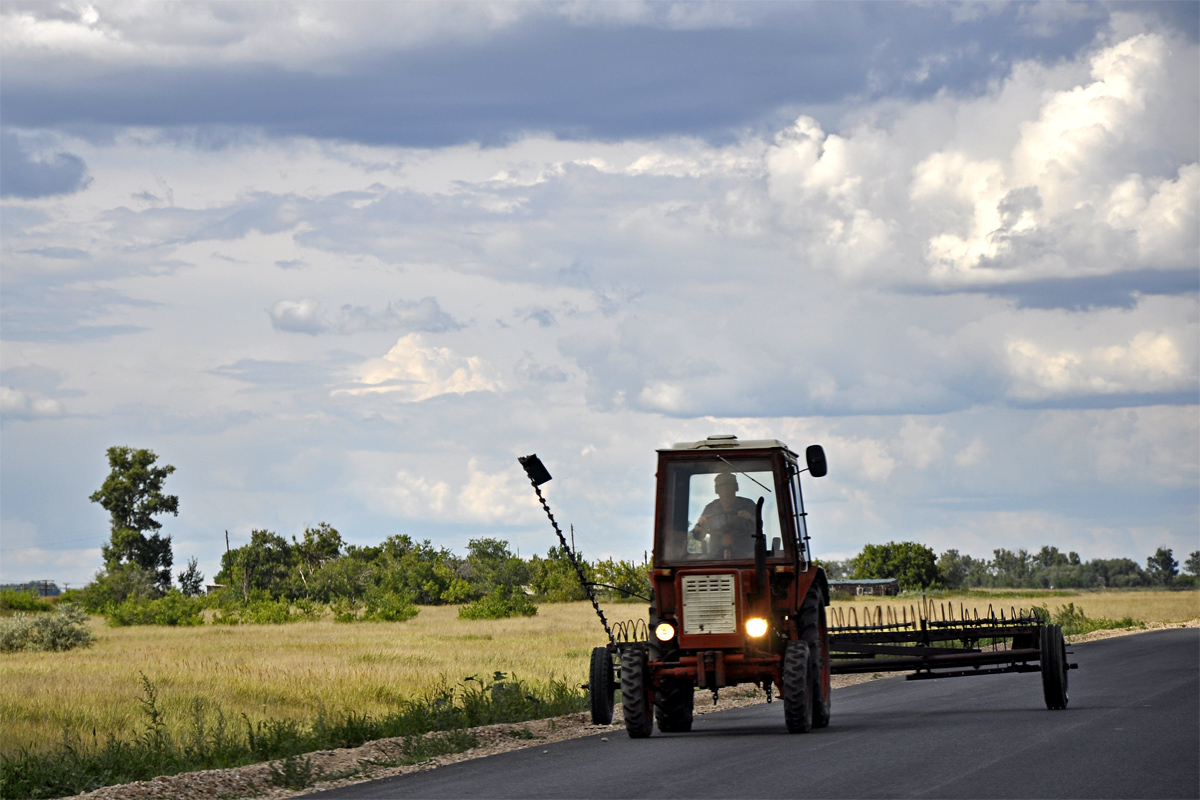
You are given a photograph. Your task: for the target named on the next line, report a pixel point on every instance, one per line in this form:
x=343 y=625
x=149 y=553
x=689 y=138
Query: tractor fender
x=812 y=578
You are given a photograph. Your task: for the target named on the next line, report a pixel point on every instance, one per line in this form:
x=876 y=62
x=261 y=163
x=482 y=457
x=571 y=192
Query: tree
x=1192 y=565
x=132 y=495
x=1162 y=566
x=1013 y=569
x=952 y=569
x=191 y=581
x=913 y=565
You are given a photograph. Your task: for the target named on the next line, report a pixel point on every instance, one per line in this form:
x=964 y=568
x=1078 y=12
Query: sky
x=345 y=262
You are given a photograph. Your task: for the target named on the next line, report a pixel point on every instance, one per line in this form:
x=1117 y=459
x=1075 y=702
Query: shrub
x=266 y=612
x=173 y=608
x=65 y=629
x=501 y=602
x=1074 y=621
x=115 y=586
x=23 y=601
x=389 y=607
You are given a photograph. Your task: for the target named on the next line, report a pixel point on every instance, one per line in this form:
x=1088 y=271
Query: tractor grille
x=708 y=604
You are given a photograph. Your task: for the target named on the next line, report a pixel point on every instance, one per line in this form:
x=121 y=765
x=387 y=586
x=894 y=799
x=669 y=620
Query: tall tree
x=132 y=494
x=912 y=564
x=1162 y=566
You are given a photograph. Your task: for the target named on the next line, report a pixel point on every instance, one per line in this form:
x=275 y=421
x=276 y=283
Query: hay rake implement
x=929 y=640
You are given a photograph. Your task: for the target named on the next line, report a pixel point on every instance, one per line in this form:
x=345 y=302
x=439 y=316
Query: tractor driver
x=727 y=523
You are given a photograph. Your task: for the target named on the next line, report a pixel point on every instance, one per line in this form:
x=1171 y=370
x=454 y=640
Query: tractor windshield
x=710 y=510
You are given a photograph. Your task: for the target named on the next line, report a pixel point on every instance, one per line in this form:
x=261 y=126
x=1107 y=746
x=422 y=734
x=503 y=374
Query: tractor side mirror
x=815 y=456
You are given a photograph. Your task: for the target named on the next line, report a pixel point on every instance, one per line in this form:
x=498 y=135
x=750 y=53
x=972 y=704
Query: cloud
x=715 y=69
x=1148 y=362
x=15 y=404
x=25 y=175
x=412 y=372
x=307 y=316
x=297 y=316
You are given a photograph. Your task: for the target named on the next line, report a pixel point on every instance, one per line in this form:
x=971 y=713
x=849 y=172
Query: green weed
x=72 y=766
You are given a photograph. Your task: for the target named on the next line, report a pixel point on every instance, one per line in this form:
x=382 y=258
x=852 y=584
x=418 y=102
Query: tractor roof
x=728 y=442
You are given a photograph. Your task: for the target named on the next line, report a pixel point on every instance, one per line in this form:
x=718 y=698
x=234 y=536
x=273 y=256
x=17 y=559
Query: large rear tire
x=797 y=688
x=635 y=705
x=601 y=686
x=673 y=704
x=1054 y=666
x=822 y=685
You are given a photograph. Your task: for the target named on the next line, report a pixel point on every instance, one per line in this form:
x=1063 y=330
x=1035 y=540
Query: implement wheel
x=797 y=688
x=673 y=704
x=601 y=686
x=634 y=696
x=1054 y=666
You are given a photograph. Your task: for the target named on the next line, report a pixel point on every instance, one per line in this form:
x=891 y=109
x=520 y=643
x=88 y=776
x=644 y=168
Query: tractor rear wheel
x=822 y=688
x=816 y=635
x=601 y=685
x=797 y=688
x=673 y=704
x=1054 y=666
x=634 y=695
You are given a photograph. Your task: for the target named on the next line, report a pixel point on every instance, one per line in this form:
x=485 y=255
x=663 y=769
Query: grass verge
x=212 y=741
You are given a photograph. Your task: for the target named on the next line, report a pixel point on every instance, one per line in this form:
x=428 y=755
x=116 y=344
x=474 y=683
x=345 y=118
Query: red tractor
x=736 y=599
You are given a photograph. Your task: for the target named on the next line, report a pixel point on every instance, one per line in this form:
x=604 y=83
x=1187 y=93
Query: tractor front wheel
x=601 y=686
x=634 y=694
x=673 y=704
x=797 y=688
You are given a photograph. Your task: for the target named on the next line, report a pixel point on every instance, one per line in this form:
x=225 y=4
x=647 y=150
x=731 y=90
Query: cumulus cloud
x=412 y=372
x=31 y=175
x=1150 y=361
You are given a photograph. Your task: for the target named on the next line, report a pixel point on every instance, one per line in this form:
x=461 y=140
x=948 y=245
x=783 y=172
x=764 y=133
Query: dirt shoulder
x=358 y=764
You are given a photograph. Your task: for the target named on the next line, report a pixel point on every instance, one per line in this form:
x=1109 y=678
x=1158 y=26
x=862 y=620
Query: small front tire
x=673 y=705
x=797 y=688
x=639 y=722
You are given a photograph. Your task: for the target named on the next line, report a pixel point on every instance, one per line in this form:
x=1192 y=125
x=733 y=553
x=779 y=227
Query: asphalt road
x=1132 y=730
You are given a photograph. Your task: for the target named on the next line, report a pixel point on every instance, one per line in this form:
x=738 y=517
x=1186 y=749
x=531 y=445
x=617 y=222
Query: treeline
x=916 y=566
x=321 y=567
x=271 y=579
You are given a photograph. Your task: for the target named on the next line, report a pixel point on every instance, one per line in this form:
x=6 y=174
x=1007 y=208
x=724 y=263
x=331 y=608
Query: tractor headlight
x=756 y=627
x=665 y=631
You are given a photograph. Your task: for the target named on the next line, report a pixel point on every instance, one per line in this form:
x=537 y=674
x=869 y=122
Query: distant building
x=209 y=588
x=879 y=587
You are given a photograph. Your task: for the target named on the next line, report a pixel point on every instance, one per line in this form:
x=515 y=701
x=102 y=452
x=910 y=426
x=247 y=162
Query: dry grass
x=283 y=671
x=294 y=671
x=1145 y=606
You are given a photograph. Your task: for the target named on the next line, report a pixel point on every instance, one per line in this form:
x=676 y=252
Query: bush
x=389 y=607
x=10 y=599
x=116 y=585
x=65 y=629
x=173 y=608
x=267 y=612
x=1074 y=621
x=501 y=602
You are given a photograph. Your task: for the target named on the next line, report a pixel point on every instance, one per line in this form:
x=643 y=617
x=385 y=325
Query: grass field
x=294 y=671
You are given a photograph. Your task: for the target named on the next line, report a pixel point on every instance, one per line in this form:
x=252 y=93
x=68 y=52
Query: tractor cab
x=718 y=497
